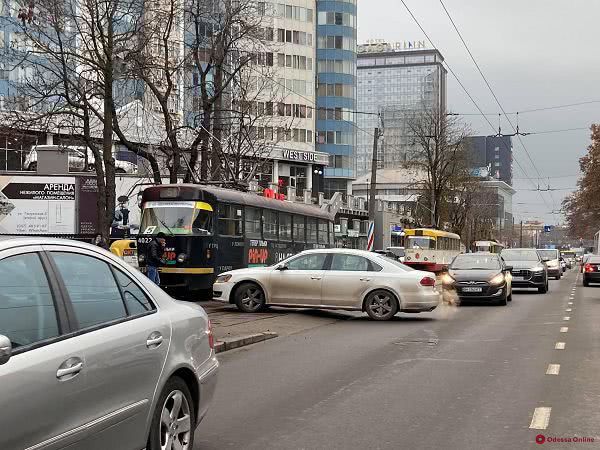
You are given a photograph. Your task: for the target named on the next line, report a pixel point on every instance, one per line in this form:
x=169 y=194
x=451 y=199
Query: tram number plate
x=471 y=289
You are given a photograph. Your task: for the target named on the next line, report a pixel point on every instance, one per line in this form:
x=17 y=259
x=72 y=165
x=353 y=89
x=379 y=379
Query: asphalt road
x=472 y=377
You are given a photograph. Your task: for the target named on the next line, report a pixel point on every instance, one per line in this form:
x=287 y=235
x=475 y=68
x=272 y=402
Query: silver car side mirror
x=5 y=349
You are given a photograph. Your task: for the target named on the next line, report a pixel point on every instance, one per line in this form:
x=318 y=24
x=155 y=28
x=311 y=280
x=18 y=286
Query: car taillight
x=589 y=268
x=427 y=281
x=211 y=336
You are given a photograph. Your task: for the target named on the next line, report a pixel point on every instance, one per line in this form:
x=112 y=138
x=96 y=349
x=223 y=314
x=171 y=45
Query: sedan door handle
x=315 y=278
x=73 y=369
x=365 y=279
x=154 y=340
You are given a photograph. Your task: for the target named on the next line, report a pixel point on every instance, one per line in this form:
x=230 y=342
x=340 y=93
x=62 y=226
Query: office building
x=494 y=153
x=336 y=91
x=397 y=80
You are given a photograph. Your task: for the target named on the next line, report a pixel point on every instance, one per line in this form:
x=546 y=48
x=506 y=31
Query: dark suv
x=528 y=268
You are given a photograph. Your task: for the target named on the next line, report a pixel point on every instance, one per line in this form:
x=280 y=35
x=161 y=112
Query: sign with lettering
x=37 y=205
x=381 y=46
x=299 y=156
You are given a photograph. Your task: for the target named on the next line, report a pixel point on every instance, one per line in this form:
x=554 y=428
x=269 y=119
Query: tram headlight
x=223 y=278
x=181 y=258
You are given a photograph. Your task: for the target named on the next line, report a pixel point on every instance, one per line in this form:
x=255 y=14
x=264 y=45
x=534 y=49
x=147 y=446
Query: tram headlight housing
x=223 y=278
x=181 y=258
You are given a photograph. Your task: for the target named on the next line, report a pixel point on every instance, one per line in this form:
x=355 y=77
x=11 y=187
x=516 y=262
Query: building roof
x=393 y=176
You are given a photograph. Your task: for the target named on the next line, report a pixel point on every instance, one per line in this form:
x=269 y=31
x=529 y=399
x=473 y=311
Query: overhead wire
x=492 y=92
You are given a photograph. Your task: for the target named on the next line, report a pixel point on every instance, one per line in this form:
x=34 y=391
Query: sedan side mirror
x=509 y=268
x=282 y=267
x=545 y=259
x=5 y=349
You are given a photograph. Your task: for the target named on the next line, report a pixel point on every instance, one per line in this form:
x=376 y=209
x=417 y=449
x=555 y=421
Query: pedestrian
x=99 y=241
x=154 y=256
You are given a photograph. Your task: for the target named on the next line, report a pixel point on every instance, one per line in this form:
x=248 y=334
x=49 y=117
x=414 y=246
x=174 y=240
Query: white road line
x=566 y=318
x=564 y=329
x=560 y=346
x=541 y=418
x=568 y=310
x=570 y=303
x=553 y=369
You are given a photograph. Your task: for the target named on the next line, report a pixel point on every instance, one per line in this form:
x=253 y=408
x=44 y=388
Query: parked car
x=552 y=258
x=95 y=356
x=77 y=161
x=528 y=268
x=332 y=279
x=480 y=276
x=591 y=270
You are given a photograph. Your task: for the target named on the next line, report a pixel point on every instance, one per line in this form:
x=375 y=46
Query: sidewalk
x=233 y=328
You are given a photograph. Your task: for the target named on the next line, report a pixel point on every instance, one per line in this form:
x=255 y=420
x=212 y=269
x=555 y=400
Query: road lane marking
x=568 y=310
x=564 y=329
x=560 y=346
x=541 y=418
x=553 y=369
x=566 y=318
x=570 y=303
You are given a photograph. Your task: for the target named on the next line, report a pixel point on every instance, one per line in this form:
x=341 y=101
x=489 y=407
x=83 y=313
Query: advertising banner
x=87 y=192
x=37 y=205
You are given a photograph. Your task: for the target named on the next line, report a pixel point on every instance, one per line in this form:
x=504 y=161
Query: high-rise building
x=493 y=153
x=396 y=80
x=336 y=91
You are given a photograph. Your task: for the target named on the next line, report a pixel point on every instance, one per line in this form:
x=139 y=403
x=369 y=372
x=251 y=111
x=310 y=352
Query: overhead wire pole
x=373 y=191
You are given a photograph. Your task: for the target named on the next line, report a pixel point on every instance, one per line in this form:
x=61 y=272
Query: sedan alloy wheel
x=381 y=305
x=250 y=298
x=175 y=422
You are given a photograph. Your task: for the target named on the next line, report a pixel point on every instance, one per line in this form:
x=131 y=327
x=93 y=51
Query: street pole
x=521 y=238
x=372 y=193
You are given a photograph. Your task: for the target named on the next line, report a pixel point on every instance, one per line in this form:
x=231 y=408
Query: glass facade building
x=395 y=84
x=336 y=91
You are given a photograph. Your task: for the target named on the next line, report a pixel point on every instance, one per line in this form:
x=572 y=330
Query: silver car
x=332 y=279
x=95 y=356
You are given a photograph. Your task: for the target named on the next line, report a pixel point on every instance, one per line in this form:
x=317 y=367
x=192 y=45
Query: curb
x=241 y=341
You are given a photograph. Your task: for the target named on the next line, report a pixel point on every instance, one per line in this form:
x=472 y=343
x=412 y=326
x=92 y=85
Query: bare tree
x=439 y=150
x=75 y=54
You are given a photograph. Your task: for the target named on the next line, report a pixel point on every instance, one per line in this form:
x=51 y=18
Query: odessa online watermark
x=541 y=439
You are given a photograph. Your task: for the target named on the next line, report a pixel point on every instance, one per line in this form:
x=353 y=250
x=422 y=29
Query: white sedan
x=332 y=279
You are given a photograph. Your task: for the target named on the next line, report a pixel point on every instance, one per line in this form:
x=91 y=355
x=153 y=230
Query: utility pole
x=372 y=193
x=521 y=238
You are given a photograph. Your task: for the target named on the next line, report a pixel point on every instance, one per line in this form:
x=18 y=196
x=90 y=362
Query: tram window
x=269 y=224
x=285 y=227
x=323 y=239
x=230 y=220
x=202 y=222
x=311 y=229
x=299 y=229
x=253 y=229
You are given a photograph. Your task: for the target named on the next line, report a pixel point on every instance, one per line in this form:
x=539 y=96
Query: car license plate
x=471 y=289
x=518 y=278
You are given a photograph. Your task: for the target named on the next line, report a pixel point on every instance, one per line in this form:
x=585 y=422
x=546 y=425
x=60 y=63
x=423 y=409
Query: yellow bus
x=487 y=246
x=430 y=249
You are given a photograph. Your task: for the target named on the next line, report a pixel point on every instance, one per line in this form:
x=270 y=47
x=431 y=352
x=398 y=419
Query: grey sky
x=534 y=53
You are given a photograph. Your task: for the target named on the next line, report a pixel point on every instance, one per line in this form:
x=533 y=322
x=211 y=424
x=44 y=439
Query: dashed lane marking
x=553 y=369
x=564 y=329
x=560 y=346
x=568 y=310
x=541 y=418
x=566 y=318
